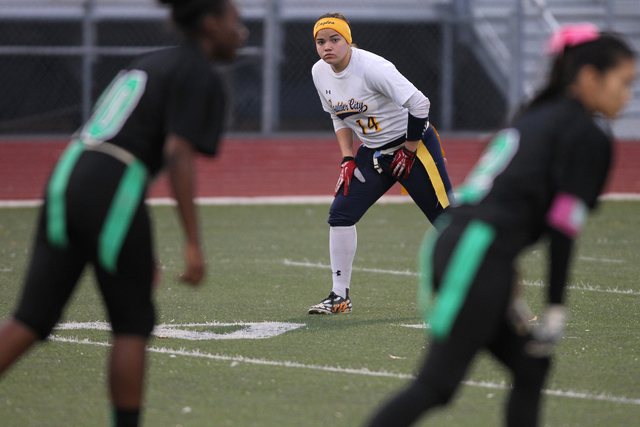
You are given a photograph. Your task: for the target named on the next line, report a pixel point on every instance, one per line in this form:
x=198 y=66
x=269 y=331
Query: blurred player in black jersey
x=537 y=178
x=160 y=111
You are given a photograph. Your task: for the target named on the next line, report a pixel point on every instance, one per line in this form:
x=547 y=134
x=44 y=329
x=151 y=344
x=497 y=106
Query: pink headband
x=571 y=35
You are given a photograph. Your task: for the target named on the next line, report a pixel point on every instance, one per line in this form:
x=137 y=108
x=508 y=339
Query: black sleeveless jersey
x=170 y=91
x=553 y=147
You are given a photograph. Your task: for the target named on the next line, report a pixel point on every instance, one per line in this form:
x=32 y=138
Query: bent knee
x=340 y=222
x=41 y=323
x=139 y=322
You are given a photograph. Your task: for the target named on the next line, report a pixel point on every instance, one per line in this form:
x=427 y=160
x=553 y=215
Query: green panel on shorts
x=123 y=208
x=56 y=207
x=462 y=269
x=425 y=265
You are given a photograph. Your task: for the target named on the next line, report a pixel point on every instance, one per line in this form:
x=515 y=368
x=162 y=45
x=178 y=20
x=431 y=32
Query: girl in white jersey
x=364 y=93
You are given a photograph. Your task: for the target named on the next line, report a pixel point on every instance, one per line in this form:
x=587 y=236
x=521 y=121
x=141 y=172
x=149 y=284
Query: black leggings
x=54 y=271
x=480 y=323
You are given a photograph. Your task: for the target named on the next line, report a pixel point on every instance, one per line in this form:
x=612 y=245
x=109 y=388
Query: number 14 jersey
x=370 y=96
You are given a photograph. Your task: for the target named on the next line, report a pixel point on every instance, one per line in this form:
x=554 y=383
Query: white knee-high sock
x=342 y=248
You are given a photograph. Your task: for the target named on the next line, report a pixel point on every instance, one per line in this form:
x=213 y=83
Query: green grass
x=61 y=384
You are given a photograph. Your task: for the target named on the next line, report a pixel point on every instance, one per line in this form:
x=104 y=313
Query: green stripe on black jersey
x=425 y=264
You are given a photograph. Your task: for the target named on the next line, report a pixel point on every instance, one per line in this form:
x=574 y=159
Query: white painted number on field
x=201 y=331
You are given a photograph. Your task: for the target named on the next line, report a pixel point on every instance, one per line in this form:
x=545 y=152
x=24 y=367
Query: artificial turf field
x=268 y=264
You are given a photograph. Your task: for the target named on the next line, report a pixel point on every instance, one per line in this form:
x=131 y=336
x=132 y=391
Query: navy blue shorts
x=347 y=210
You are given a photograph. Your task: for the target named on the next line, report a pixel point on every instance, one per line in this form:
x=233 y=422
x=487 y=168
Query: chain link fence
x=55 y=65
x=416 y=49
x=41 y=91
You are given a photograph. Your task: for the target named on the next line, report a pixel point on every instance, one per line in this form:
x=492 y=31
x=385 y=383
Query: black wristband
x=347 y=158
x=416 y=127
x=409 y=152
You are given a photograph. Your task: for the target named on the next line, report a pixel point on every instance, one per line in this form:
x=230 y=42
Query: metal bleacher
x=495 y=30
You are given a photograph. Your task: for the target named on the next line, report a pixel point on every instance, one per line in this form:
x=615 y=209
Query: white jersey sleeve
x=370 y=96
x=387 y=80
x=337 y=123
x=418 y=105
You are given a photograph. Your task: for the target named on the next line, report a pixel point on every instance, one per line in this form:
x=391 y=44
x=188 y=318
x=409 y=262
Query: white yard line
x=416 y=326
x=570 y=393
x=589 y=288
x=620 y=196
x=368 y=270
x=20 y=203
x=588 y=258
x=241 y=359
x=280 y=200
x=412 y=273
x=286 y=364
x=229 y=201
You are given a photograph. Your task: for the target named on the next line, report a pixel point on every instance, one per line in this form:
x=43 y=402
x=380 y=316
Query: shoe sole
x=319 y=311
x=324 y=311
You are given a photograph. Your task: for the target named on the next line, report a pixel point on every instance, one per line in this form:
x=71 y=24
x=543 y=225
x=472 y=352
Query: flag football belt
x=422 y=153
x=124 y=204
x=384 y=152
x=112 y=150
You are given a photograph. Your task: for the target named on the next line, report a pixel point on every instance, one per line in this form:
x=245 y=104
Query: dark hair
x=604 y=53
x=188 y=14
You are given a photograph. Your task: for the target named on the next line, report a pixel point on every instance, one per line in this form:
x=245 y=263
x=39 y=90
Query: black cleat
x=333 y=304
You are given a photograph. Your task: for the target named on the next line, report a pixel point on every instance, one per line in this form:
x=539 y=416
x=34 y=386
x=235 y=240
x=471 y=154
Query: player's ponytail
x=602 y=51
x=187 y=14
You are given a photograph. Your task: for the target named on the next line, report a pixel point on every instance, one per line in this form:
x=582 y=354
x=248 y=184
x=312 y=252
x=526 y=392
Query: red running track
x=257 y=167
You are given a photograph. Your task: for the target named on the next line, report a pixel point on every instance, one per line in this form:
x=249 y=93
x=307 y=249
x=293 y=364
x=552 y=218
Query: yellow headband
x=335 y=24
